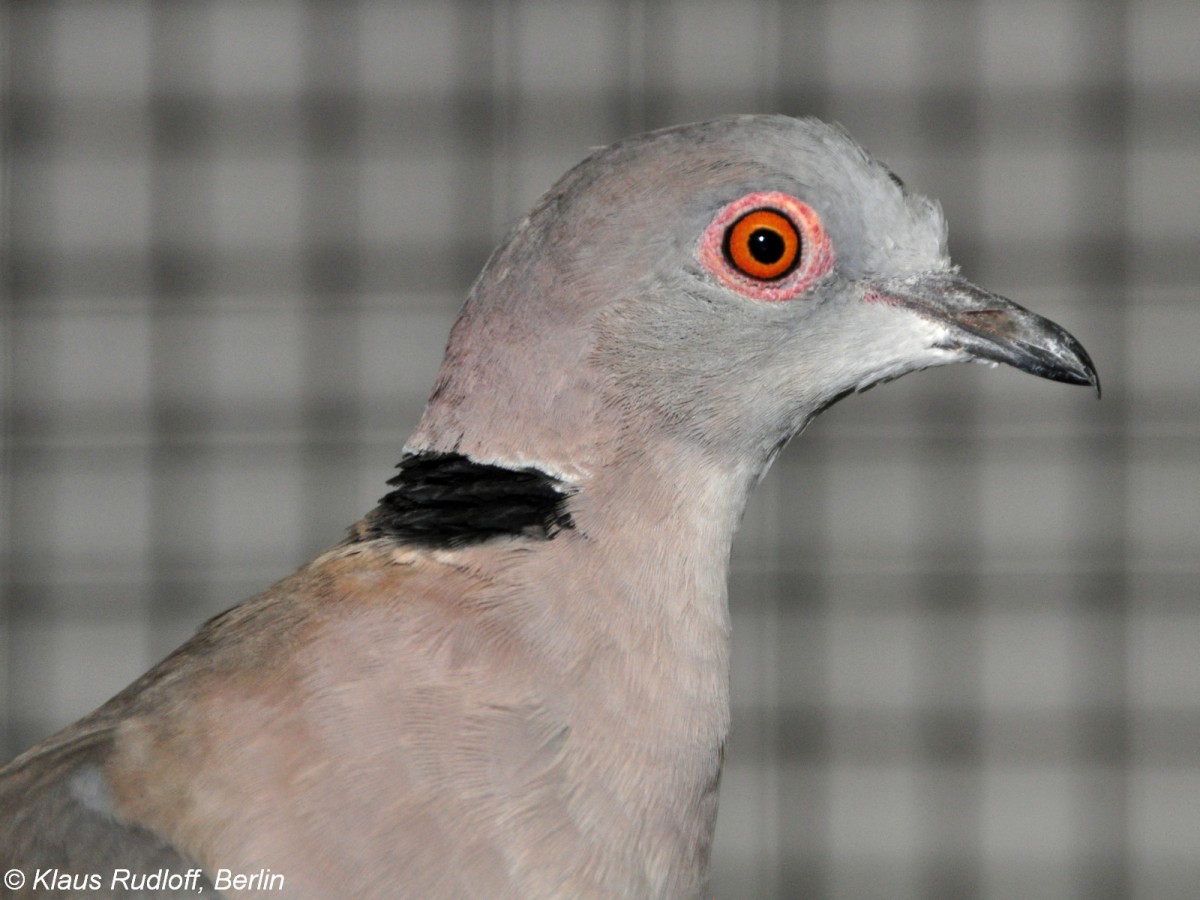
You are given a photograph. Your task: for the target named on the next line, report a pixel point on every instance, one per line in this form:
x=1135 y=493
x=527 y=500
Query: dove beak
x=989 y=327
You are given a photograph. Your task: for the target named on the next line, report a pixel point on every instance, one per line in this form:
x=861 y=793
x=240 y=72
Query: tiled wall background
x=966 y=605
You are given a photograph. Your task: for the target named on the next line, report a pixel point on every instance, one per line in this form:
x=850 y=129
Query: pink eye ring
x=767 y=246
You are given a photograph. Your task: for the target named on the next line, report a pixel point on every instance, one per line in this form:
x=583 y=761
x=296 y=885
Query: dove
x=511 y=678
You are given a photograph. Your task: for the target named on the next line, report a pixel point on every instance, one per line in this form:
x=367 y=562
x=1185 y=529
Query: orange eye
x=763 y=243
x=766 y=245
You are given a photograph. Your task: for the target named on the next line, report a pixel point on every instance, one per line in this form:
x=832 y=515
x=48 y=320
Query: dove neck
x=660 y=526
x=624 y=614
x=645 y=625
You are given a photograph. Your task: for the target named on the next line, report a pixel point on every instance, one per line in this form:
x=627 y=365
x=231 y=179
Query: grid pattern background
x=966 y=617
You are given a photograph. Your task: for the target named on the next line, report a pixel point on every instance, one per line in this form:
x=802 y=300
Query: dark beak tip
x=1086 y=373
x=1078 y=369
x=1087 y=378
x=1093 y=378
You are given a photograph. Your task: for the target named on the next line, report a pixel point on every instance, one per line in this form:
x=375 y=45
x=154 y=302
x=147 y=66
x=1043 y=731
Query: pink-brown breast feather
x=352 y=725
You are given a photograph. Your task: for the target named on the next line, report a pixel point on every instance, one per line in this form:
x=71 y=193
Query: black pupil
x=766 y=246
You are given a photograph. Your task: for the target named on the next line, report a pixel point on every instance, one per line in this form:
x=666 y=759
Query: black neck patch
x=447 y=500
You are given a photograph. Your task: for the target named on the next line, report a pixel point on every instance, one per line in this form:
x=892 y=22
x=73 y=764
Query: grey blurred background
x=966 y=617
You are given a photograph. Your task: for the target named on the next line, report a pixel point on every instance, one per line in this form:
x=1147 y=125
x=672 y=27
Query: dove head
x=713 y=287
